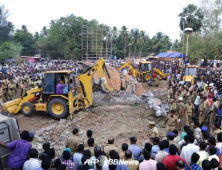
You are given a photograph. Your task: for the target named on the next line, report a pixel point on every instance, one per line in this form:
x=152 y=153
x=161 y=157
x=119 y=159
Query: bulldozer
x=145 y=71
x=190 y=73
x=59 y=106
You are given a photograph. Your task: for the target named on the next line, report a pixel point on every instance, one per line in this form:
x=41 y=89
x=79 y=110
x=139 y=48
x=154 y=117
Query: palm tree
x=191 y=17
x=135 y=39
x=124 y=34
x=142 y=41
x=24 y=28
x=115 y=35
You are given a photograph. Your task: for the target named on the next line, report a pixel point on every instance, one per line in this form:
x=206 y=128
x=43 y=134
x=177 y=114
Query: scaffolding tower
x=96 y=42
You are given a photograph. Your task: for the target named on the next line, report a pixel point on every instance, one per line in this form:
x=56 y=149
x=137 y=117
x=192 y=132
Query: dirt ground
x=120 y=121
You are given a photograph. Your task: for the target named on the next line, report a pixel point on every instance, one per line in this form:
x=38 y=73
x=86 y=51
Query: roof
x=146 y=62
x=64 y=71
x=178 y=54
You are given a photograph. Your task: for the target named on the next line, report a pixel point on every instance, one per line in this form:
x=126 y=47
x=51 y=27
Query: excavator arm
x=86 y=79
x=132 y=69
x=156 y=70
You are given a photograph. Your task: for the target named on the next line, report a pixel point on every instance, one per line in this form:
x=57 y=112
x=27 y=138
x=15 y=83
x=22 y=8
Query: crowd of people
x=192 y=140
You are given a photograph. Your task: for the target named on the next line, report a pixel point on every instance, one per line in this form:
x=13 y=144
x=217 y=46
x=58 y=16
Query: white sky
x=148 y=15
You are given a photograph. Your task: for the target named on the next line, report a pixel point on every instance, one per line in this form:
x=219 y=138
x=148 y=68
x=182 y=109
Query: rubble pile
x=159 y=105
x=119 y=121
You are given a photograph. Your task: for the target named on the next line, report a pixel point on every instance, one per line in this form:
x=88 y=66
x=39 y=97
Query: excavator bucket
x=11 y=107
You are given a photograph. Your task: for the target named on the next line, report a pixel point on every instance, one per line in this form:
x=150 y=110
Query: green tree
x=191 y=17
x=10 y=50
x=25 y=38
x=124 y=33
x=6 y=27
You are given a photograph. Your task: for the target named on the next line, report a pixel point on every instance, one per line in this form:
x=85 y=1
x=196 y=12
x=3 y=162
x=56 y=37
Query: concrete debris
x=125 y=99
x=159 y=105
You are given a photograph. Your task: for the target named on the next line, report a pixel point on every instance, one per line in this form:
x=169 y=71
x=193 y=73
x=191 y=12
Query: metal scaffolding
x=95 y=42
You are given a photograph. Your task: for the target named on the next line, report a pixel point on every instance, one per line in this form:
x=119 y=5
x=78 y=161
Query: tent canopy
x=171 y=55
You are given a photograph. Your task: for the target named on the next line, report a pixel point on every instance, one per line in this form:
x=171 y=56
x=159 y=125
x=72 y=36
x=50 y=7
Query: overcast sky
x=148 y=15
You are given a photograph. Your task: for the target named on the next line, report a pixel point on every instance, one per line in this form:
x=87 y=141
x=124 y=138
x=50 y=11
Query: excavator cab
x=145 y=71
x=51 y=79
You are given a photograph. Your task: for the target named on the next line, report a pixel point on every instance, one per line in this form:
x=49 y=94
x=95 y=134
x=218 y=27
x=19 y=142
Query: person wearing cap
x=213 y=109
x=154 y=132
x=31 y=137
x=203 y=109
x=171 y=136
x=171 y=121
x=135 y=149
x=19 y=151
x=110 y=146
x=191 y=96
x=173 y=105
x=189 y=110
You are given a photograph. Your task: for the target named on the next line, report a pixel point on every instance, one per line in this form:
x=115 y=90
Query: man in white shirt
x=78 y=155
x=196 y=104
x=189 y=149
x=212 y=152
x=33 y=163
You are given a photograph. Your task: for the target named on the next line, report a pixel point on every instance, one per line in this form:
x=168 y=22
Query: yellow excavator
x=190 y=72
x=59 y=106
x=145 y=71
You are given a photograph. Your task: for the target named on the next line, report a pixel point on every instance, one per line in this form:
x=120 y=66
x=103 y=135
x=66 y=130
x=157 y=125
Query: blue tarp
x=171 y=55
x=164 y=54
x=177 y=55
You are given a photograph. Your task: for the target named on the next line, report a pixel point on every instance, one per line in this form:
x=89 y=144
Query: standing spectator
x=19 y=151
x=212 y=153
x=184 y=132
x=69 y=164
x=148 y=147
x=171 y=136
x=214 y=164
x=90 y=146
x=202 y=153
x=45 y=165
x=136 y=150
x=124 y=149
x=73 y=141
x=161 y=154
x=110 y=146
x=170 y=160
x=177 y=137
x=89 y=134
x=197 y=131
x=155 y=147
x=132 y=164
x=78 y=155
x=194 y=159
x=212 y=142
x=160 y=166
x=33 y=163
x=147 y=164
x=206 y=165
x=188 y=150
